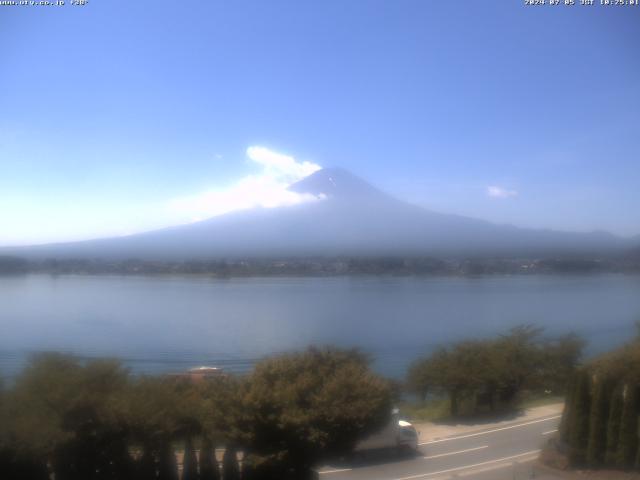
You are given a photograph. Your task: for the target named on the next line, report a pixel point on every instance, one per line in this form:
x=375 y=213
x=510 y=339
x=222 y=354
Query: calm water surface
x=159 y=324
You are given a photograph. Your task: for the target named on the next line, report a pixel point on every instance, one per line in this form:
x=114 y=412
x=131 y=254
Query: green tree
x=495 y=372
x=70 y=413
x=520 y=362
x=459 y=372
x=560 y=360
x=597 y=443
x=15 y=463
x=167 y=465
x=299 y=407
x=567 y=417
x=628 y=441
x=190 y=462
x=154 y=418
x=147 y=465
x=220 y=408
x=579 y=428
x=613 y=426
x=230 y=469
x=208 y=465
x=424 y=375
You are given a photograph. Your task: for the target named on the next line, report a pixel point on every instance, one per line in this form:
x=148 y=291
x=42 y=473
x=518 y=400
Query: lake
x=167 y=324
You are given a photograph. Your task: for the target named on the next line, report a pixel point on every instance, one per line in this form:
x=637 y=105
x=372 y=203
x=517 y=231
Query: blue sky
x=121 y=116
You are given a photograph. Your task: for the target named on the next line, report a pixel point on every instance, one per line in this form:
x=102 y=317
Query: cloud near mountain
x=269 y=188
x=500 y=192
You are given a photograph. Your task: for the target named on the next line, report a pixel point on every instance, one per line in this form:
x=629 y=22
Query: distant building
x=200 y=374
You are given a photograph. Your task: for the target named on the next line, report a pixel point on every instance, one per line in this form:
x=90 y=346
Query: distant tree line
x=601 y=422
x=319 y=266
x=13 y=265
x=494 y=374
x=93 y=420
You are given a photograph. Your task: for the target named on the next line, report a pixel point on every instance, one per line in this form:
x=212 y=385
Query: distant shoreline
x=324 y=267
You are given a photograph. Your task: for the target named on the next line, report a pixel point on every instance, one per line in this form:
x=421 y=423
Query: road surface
x=504 y=452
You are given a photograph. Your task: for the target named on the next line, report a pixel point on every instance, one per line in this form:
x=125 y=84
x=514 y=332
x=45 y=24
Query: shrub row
x=601 y=423
x=92 y=420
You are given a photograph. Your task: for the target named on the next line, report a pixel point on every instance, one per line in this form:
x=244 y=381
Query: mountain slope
x=350 y=218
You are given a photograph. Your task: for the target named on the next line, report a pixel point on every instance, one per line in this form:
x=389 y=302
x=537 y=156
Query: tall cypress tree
x=628 y=442
x=613 y=426
x=579 y=429
x=147 y=465
x=189 y=462
x=598 y=422
x=248 y=470
x=567 y=415
x=26 y=468
x=208 y=465
x=167 y=466
x=230 y=469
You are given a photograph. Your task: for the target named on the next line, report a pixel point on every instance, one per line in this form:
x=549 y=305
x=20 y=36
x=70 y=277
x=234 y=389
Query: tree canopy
x=92 y=420
x=494 y=372
x=303 y=406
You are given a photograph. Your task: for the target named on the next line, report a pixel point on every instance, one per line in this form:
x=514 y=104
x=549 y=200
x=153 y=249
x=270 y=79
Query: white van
x=397 y=434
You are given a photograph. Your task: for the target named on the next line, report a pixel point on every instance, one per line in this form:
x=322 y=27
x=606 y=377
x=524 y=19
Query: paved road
x=505 y=452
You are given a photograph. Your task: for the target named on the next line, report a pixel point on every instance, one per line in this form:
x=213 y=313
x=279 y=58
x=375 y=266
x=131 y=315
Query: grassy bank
x=438 y=409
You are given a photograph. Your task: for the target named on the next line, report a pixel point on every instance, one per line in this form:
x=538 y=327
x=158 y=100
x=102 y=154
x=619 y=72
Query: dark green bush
x=596 y=447
x=601 y=422
x=579 y=428
x=628 y=442
x=613 y=427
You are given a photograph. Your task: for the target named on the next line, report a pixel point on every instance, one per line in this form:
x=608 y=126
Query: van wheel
x=404 y=451
x=358 y=458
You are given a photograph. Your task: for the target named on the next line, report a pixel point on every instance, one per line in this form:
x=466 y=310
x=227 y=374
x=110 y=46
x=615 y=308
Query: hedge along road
x=499 y=450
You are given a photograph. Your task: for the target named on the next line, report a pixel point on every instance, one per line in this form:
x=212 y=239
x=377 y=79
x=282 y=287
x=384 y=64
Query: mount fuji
x=350 y=217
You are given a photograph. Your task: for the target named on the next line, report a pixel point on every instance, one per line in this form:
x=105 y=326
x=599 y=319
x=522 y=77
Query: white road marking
x=490 y=468
x=497 y=460
x=337 y=470
x=476 y=471
x=491 y=431
x=455 y=453
x=550 y=432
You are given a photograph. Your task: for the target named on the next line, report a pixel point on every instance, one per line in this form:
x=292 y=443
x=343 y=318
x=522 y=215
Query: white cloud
x=281 y=166
x=267 y=189
x=499 y=192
